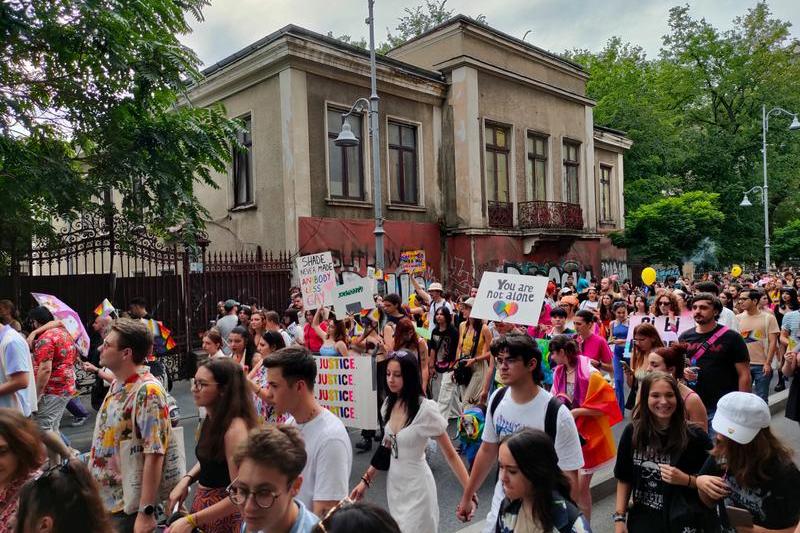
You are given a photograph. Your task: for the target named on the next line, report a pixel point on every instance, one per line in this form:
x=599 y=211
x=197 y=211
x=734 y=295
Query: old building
x=489 y=153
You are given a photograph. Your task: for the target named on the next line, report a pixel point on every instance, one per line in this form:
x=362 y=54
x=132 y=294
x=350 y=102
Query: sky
x=555 y=25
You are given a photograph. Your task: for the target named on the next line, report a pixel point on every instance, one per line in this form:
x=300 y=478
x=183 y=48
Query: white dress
x=410 y=487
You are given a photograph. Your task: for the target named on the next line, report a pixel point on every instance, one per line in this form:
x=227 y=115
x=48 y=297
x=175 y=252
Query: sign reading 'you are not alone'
x=510 y=298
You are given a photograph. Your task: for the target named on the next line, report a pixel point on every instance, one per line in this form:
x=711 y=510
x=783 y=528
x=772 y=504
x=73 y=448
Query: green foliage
x=415 y=21
x=90 y=104
x=668 y=230
x=694 y=114
x=786 y=242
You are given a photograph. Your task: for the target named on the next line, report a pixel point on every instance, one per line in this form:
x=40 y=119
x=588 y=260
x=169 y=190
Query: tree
x=786 y=242
x=694 y=114
x=414 y=22
x=89 y=104
x=668 y=231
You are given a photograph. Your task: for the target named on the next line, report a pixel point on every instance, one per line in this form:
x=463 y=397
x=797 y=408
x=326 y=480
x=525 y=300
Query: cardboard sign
x=351 y=297
x=348 y=388
x=510 y=298
x=413 y=261
x=317 y=279
x=668 y=330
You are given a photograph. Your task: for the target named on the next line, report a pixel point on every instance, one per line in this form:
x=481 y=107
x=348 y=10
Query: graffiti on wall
x=611 y=267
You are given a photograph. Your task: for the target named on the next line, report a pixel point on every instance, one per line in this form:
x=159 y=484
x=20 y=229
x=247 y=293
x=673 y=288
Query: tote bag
x=132 y=463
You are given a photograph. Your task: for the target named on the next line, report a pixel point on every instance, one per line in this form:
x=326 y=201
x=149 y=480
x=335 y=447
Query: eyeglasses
x=238 y=495
x=506 y=361
x=200 y=385
x=664 y=303
x=325 y=523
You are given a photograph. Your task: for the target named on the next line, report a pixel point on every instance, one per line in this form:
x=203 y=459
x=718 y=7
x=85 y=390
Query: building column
x=467 y=147
x=620 y=192
x=589 y=199
x=295 y=156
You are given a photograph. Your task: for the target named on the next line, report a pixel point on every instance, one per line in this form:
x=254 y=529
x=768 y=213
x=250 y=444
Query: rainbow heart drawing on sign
x=505 y=309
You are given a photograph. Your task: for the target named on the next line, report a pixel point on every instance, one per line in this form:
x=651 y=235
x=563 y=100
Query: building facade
x=490 y=158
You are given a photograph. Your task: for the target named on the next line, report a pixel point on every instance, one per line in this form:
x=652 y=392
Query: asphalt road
x=448 y=488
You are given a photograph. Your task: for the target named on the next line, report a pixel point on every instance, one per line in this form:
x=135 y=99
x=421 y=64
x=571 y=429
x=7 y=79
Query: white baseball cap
x=740 y=416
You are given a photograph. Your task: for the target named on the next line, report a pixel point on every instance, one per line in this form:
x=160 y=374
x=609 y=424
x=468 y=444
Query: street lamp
x=764 y=189
x=347 y=139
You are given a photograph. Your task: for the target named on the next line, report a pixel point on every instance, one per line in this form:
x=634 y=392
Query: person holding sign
x=410 y=420
x=434 y=297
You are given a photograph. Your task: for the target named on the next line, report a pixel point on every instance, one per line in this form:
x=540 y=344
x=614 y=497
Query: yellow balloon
x=649 y=275
x=736 y=271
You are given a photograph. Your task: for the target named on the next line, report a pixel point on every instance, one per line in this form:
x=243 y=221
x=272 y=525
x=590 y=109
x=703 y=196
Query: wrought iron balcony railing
x=550 y=215
x=501 y=214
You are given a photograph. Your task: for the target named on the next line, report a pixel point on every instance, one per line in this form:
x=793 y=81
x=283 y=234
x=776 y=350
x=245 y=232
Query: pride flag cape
x=105 y=308
x=599 y=447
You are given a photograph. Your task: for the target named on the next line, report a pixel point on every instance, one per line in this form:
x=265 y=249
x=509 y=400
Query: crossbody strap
x=707 y=344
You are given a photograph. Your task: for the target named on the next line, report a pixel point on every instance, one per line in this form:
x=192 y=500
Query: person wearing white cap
x=434 y=297
x=750 y=469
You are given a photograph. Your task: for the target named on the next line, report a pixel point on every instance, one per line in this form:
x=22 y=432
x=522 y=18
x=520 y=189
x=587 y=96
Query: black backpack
x=550 y=416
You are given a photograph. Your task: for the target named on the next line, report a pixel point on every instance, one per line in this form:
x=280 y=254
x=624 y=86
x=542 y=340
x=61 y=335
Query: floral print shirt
x=58 y=346
x=9 y=501
x=266 y=413
x=114 y=425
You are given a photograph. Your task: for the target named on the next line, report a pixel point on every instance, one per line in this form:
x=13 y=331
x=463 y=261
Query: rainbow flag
x=159 y=330
x=105 y=308
x=596 y=430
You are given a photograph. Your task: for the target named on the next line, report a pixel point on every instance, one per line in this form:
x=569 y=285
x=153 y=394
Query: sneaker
x=364 y=446
x=79 y=421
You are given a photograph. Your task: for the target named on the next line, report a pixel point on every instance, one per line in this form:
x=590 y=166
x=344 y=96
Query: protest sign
x=317 y=279
x=668 y=329
x=351 y=297
x=510 y=298
x=413 y=262
x=348 y=388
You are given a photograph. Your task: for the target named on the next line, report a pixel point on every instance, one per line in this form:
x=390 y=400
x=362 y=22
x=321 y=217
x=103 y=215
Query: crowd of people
x=689 y=363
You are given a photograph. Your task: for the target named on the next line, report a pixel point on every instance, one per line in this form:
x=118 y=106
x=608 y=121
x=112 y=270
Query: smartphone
x=738 y=517
x=626 y=366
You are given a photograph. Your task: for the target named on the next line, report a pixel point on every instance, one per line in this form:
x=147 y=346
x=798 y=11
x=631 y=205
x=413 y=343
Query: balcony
x=501 y=214
x=550 y=215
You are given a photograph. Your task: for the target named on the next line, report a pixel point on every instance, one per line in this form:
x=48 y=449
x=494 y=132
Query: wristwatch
x=148 y=510
x=619 y=517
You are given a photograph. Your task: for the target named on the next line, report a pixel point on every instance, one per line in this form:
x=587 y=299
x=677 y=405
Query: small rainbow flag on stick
x=105 y=308
x=160 y=330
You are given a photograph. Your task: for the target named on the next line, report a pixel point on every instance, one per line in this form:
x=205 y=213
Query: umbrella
x=68 y=317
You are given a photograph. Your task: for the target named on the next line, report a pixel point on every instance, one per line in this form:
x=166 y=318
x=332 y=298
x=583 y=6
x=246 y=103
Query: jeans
x=760 y=381
x=619 y=383
x=76 y=408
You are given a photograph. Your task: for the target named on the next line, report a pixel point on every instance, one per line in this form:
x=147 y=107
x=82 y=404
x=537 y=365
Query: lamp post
x=764 y=189
x=346 y=139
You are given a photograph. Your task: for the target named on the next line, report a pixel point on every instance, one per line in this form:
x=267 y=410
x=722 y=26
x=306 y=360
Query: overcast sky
x=555 y=25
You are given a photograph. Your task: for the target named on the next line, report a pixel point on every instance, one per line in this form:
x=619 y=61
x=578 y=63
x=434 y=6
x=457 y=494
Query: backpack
x=550 y=416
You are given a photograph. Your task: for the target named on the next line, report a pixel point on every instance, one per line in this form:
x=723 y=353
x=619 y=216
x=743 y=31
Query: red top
x=57 y=345
x=313 y=342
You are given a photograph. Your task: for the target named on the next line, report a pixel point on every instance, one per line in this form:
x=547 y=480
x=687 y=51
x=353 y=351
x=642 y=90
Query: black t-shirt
x=443 y=346
x=774 y=504
x=640 y=469
x=717 y=376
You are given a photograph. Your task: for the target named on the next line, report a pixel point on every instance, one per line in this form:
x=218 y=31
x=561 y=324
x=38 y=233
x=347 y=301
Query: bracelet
x=191 y=479
x=619 y=517
x=692 y=479
x=366 y=481
x=192 y=522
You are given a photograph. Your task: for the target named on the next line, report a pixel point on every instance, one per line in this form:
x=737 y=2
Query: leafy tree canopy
x=786 y=242
x=669 y=230
x=694 y=114
x=89 y=94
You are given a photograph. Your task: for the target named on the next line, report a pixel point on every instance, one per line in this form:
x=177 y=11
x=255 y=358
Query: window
x=345 y=165
x=605 y=194
x=497 y=153
x=243 y=166
x=403 y=163
x=571 y=167
x=536 y=170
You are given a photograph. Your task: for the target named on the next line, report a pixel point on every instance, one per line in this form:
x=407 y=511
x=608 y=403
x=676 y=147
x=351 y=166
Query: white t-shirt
x=590 y=305
x=326 y=476
x=15 y=357
x=511 y=416
x=728 y=318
